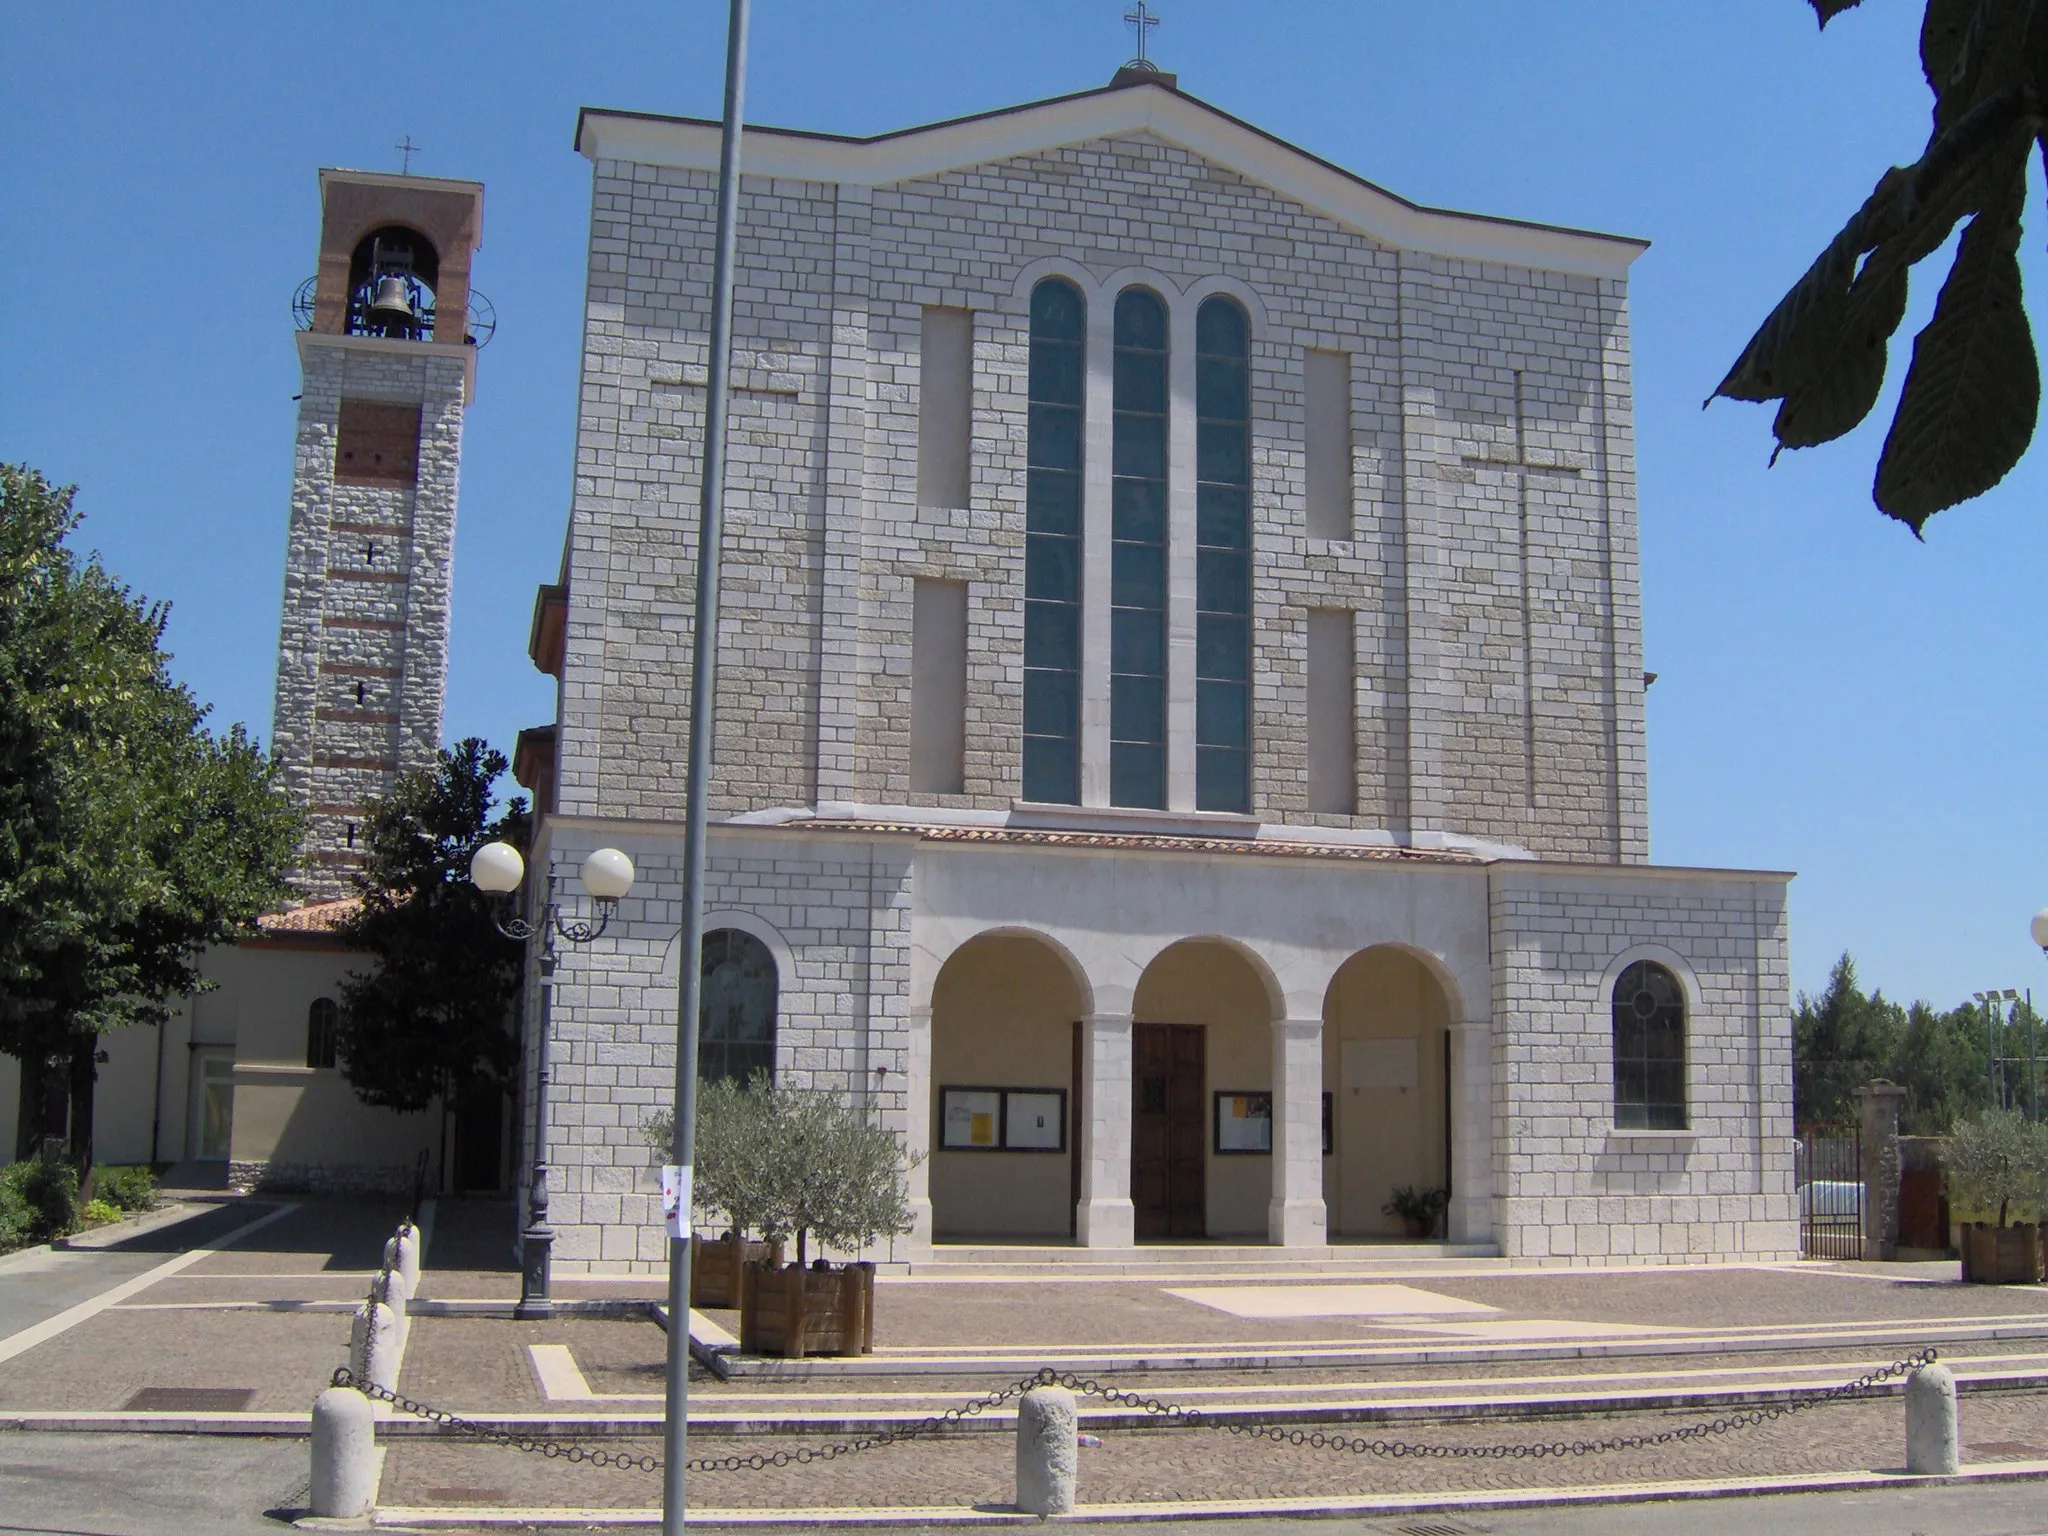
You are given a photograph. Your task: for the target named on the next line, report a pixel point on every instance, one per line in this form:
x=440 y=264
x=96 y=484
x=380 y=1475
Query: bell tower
x=388 y=334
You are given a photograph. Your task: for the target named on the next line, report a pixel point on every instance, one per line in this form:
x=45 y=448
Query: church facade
x=1181 y=740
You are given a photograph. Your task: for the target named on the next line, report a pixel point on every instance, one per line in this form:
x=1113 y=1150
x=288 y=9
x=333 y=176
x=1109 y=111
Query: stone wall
x=1463 y=373
x=1569 y=1186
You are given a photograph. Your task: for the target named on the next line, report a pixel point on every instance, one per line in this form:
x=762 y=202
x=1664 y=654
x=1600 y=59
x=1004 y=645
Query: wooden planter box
x=715 y=1264
x=791 y=1311
x=2002 y=1255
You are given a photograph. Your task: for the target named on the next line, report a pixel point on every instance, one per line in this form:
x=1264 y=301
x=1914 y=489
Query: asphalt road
x=40 y=1283
x=149 y=1485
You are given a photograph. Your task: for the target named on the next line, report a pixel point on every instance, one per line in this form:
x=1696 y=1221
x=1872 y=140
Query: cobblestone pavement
x=1207 y=1464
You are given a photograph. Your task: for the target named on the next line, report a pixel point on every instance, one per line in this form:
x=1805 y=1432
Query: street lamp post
x=498 y=870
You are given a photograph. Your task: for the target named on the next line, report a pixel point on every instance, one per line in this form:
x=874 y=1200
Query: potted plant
x=1999 y=1161
x=801 y=1164
x=727 y=1195
x=1417 y=1208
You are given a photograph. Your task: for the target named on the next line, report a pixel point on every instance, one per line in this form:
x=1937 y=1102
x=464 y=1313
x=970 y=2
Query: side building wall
x=1568 y=1185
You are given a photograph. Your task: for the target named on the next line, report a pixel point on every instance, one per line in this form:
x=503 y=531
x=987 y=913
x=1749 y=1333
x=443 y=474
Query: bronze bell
x=392 y=305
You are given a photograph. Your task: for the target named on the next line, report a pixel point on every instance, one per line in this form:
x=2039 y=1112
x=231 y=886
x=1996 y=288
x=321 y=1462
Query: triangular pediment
x=1111 y=112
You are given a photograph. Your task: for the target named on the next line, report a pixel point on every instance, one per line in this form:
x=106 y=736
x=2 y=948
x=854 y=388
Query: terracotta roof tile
x=1035 y=837
x=314 y=917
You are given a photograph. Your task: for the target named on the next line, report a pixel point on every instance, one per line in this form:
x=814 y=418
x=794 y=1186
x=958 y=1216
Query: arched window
x=323 y=1021
x=736 y=1007
x=1223 y=546
x=391 y=281
x=1137 y=568
x=1052 y=546
x=1649 y=1050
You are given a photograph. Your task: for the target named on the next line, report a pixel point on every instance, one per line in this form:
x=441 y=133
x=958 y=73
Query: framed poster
x=971 y=1119
x=1035 y=1119
x=1244 y=1122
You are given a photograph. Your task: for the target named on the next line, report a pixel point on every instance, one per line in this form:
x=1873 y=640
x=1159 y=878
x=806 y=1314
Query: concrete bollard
x=373 y=1345
x=402 y=1253
x=398 y=1297
x=1931 y=1438
x=1047 y=1451
x=344 y=1483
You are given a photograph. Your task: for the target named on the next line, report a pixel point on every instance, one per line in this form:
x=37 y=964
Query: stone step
x=969 y=1261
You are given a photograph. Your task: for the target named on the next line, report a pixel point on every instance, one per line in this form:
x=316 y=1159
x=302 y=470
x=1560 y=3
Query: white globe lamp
x=2039 y=927
x=608 y=874
x=497 y=869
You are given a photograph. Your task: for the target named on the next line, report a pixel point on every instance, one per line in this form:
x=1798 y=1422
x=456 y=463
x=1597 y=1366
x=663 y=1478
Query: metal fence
x=1829 y=1176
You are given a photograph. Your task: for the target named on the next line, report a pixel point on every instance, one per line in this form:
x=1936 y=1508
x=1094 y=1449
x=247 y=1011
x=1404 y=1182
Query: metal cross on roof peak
x=406 y=147
x=1139 y=19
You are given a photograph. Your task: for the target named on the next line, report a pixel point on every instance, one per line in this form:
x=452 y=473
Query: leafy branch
x=1972 y=392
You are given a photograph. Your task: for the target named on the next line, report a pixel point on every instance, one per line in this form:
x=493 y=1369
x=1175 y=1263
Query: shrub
x=16 y=1217
x=1998 y=1160
x=97 y=1213
x=47 y=1187
x=132 y=1189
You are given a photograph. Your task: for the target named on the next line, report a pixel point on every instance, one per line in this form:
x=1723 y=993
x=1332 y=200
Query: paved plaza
x=223 y=1324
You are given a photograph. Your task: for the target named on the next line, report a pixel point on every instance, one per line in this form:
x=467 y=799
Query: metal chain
x=1190 y=1418
x=1322 y=1440
x=344 y=1377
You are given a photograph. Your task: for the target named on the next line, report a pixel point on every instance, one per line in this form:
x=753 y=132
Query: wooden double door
x=1168 y=1126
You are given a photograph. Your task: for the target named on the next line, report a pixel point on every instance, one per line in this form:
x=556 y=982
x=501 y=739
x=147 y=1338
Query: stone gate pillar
x=1880 y=1170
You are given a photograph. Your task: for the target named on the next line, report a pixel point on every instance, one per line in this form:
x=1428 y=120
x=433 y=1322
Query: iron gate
x=1830 y=1184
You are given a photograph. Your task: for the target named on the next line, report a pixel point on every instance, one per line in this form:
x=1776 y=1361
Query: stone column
x=1105 y=1218
x=1880 y=1171
x=1295 y=1214
x=917 y=1128
x=1470 y=1217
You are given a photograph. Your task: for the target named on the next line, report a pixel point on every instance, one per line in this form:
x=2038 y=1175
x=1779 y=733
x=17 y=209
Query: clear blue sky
x=1833 y=697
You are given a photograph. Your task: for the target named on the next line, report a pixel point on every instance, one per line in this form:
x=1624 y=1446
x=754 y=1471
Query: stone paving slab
x=101 y=1363
x=1205 y=1464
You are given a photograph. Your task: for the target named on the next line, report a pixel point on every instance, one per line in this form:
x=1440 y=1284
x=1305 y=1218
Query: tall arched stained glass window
x=1223 y=553
x=1052 y=546
x=1137 y=570
x=736 y=1007
x=1649 y=1050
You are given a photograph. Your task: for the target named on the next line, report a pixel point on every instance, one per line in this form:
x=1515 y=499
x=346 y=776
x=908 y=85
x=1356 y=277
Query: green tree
x=793 y=1162
x=1999 y=1160
x=131 y=836
x=1840 y=1040
x=1972 y=391
x=1939 y=1060
x=431 y=1021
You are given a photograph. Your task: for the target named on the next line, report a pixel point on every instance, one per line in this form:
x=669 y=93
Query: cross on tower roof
x=406 y=147
x=1139 y=19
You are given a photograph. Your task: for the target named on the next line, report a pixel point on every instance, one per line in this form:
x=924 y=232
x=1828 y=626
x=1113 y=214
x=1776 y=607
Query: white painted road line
x=70 y=1318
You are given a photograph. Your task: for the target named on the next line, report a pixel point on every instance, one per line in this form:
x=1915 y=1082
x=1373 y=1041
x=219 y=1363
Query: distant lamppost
x=498 y=871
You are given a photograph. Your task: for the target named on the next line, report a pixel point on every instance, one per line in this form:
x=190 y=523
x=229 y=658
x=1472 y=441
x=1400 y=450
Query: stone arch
x=1007 y=1005
x=1203 y=1015
x=1387 y=1013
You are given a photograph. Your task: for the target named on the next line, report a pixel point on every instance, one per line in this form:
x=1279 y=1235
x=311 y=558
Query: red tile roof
x=314 y=917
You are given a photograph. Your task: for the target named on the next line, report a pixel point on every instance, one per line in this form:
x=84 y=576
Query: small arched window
x=1223 y=557
x=1137 y=554
x=1649 y=1050
x=736 y=1007
x=1052 y=546
x=323 y=1023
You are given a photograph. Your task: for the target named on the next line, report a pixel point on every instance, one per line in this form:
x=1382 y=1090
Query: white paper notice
x=675 y=1198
